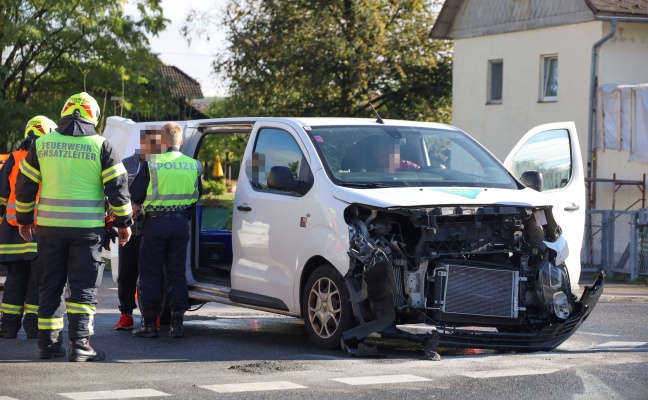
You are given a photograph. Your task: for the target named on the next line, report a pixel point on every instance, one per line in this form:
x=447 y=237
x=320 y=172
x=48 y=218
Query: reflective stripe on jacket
x=173 y=181
x=72 y=195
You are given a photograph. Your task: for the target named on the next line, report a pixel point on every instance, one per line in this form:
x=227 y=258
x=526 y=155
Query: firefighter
x=76 y=168
x=168 y=188
x=21 y=290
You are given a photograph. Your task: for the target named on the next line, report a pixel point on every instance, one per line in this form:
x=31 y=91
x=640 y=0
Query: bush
x=214 y=187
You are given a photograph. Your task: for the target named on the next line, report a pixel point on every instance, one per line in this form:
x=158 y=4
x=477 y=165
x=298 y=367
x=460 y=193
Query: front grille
x=480 y=291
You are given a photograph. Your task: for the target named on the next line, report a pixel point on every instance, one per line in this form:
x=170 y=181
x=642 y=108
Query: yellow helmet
x=82 y=105
x=39 y=125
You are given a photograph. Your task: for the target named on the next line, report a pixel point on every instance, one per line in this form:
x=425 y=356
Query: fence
x=616 y=242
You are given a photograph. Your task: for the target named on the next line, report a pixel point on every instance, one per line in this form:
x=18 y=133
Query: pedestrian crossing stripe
x=253 y=387
x=114 y=394
x=620 y=345
x=380 y=379
x=510 y=372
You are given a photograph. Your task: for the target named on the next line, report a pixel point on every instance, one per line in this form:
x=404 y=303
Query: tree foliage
x=51 y=49
x=330 y=58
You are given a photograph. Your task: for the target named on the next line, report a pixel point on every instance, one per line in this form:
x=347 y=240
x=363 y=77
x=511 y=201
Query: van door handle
x=573 y=207
x=244 y=208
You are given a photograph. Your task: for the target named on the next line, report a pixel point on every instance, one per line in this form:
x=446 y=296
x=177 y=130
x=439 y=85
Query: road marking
x=114 y=394
x=7 y=398
x=509 y=372
x=382 y=379
x=253 y=387
x=595 y=334
x=619 y=345
x=152 y=360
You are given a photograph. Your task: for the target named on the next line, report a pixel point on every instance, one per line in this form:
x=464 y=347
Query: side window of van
x=548 y=152
x=276 y=148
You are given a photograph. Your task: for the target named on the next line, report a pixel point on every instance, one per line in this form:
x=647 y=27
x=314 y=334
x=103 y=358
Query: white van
x=363 y=226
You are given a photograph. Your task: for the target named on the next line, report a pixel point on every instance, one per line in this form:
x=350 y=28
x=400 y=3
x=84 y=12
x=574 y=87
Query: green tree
x=51 y=49
x=330 y=58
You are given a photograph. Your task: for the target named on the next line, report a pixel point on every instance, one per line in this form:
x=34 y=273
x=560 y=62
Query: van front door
x=553 y=150
x=266 y=221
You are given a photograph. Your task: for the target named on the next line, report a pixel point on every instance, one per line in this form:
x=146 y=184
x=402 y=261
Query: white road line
x=508 y=372
x=382 y=379
x=253 y=387
x=7 y=398
x=152 y=360
x=619 y=345
x=595 y=334
x=114 y=394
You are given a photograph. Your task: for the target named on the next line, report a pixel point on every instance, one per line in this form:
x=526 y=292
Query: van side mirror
x=533 y=180
x=280 y=178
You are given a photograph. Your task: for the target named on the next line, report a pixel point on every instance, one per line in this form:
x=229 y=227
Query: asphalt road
x=237 y=353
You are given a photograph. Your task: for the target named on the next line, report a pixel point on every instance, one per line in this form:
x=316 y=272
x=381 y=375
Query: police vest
x=173 y=182
x=72 y=192
x=18 y=156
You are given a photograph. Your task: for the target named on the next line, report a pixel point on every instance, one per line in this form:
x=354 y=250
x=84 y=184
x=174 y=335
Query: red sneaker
x=125 y=322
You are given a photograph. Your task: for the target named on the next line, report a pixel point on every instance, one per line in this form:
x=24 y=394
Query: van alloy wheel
x=326 y=308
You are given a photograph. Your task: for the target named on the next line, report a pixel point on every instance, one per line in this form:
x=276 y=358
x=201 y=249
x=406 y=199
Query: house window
x=495 y=71
x=550 y=78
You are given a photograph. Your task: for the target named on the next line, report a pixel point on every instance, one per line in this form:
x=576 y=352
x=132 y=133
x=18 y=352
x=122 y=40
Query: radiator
x=480 y=291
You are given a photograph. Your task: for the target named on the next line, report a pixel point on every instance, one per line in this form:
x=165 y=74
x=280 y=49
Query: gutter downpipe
x=591 y=158
x=591 y=171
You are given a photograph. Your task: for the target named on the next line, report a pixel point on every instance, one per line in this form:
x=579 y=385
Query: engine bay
x=452 y=267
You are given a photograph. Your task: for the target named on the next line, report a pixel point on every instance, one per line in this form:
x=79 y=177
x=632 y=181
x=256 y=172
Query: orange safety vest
x=18 y=156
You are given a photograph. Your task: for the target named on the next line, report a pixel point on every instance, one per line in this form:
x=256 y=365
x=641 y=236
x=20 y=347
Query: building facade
x=522 y=63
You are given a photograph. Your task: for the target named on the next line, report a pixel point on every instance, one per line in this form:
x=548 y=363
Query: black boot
x=148 y=329
x=30 y=325
x=10 y=325
x=50 y=344
x=80 y=350
x=175 y=330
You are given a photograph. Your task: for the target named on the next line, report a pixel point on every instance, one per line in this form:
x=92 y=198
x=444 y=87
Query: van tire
x=326 y=308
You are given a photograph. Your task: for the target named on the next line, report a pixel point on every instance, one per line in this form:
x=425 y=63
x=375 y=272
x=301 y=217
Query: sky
x=195 y=59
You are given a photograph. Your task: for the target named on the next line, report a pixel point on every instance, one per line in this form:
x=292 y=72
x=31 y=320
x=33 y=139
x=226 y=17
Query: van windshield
x=386 y=156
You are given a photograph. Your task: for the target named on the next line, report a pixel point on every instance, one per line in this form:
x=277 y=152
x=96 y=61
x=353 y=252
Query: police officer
x=76 y=168
x=21 y=290
x=168 y=189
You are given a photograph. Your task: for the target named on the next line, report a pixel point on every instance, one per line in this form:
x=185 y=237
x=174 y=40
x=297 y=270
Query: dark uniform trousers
x=72 y=255
x=20 y=288
x=163 y=254
x=128 y=273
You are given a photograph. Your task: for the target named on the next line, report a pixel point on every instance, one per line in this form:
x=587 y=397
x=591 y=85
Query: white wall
x=500 y=126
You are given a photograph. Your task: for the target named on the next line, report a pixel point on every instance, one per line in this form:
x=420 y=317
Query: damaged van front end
x=471 y=276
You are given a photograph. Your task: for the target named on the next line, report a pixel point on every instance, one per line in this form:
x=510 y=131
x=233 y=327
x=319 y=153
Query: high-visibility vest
x=18 y=156
x=72 y=180
x=173 y=181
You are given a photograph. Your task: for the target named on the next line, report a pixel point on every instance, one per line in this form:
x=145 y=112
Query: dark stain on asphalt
x=264 y=367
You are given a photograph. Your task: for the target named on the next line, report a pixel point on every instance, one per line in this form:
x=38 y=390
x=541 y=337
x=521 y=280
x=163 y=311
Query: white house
x=521 y=63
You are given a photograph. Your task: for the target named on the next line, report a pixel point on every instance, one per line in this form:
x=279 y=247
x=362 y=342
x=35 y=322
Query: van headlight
x=554 y=289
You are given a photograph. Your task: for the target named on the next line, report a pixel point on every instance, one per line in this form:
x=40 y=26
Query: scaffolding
x=616 y=185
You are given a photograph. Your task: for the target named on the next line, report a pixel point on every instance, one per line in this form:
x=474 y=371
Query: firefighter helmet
x=39 y=125
x=82 y=105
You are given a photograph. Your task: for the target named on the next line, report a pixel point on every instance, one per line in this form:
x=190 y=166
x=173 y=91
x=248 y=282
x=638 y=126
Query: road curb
x=615 y=298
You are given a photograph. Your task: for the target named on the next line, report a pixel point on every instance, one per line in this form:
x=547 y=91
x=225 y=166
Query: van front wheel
x=326 y=308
